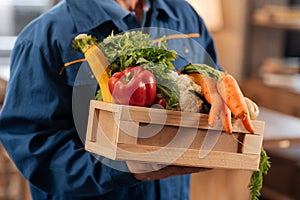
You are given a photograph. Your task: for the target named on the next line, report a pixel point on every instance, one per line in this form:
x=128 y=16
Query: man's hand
x=167 y=171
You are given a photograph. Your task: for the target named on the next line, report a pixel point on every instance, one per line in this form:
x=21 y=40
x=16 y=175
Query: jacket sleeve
x=209 y=46
x=38 y=132
x=207 y=40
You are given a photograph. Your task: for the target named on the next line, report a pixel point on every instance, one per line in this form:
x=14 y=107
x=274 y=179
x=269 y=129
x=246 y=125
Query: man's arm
x=37 y=130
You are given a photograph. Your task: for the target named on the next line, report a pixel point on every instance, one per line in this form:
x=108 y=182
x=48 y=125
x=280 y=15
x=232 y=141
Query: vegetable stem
x=83 y=42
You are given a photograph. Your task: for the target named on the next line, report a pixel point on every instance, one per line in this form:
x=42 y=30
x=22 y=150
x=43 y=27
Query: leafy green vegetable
x=169 y=90
x=99 y=96
x=137 y=48
x=256 y=181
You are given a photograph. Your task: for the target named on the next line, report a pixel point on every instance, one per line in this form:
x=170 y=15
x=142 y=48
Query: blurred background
x=257 y=42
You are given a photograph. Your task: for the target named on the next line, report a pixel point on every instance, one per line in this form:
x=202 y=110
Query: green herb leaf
x=99 y=96
x=256 y=181
x=137 y=48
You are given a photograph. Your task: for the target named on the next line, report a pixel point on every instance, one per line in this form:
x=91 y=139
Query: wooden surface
x=282 y=142
x=3 y=84
x=220 y=184
x=13 y=186
x=282 y=133
x=279 y=125
x=277 y=25
x=275 y=98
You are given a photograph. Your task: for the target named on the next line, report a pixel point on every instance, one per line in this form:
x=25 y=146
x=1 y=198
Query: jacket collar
x=163 y=8
x=89 y=14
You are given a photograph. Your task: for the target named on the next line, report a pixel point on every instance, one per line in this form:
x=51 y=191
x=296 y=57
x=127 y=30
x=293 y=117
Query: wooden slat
x=187 y=157
x=92 y=124
x=128 y=132
x=252 y=144
x=193 y=138
x=168 y=117
x=105 y=149
x=108 y=126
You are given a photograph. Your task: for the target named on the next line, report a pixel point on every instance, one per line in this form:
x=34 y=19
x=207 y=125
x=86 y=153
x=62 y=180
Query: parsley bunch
x=256 y=181
x=137 y=48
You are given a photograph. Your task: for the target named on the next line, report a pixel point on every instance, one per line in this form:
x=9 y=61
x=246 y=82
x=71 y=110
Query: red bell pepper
x=134 y=86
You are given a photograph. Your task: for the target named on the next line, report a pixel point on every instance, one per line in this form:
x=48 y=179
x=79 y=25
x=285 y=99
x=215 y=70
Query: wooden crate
x=162 y=136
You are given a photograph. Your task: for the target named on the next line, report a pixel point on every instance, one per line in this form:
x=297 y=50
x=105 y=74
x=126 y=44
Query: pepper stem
x=128 y=77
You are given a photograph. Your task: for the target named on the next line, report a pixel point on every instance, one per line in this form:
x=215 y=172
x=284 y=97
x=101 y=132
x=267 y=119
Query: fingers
x=143 y=167
x=168 y=172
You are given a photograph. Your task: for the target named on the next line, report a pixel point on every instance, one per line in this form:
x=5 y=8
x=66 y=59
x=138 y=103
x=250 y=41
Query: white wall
x=6 y=18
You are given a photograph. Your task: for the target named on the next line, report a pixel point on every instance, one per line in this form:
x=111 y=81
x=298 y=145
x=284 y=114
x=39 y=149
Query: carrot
x=210 y=92
x=247 y=123
x=233 y=97
x=219 y=108
x=227 y=119
x=196 y=77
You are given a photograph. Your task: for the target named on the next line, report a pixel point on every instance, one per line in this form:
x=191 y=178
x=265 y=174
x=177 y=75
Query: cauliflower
x=188 y=101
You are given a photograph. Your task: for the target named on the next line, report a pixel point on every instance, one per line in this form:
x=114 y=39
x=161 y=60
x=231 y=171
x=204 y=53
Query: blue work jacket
x=37 y=126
